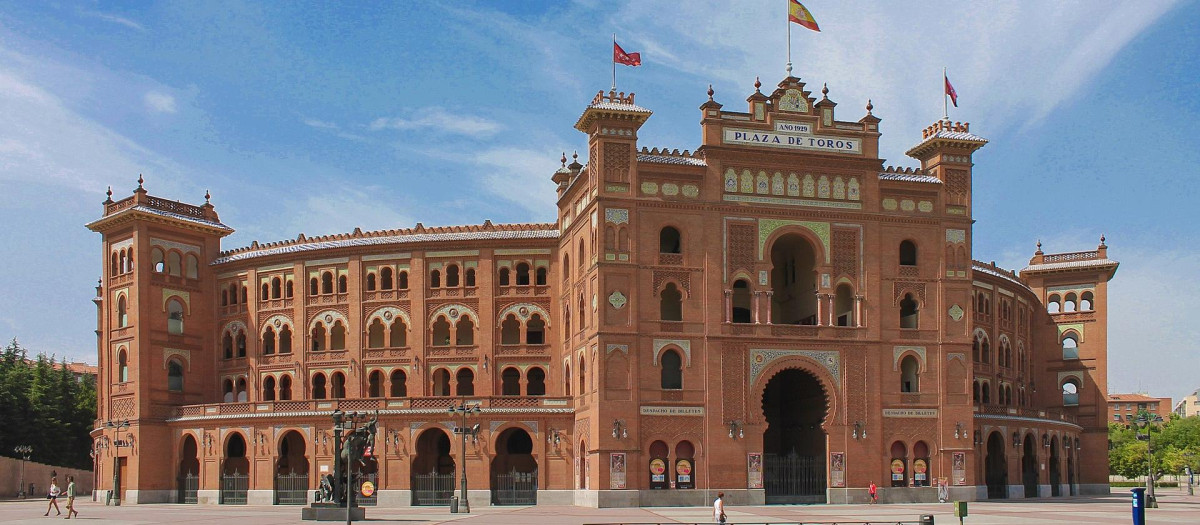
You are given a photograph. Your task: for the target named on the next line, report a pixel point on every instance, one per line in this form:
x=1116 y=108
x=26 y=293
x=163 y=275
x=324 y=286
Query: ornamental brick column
x=770 y=300
x=820 y=310
x=728 y=306
x=858 y=320
x=757 y=293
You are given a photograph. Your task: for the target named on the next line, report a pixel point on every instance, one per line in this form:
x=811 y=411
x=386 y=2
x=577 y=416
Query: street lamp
x=1144 y=421
x=619 y=430
x=23 y=452
x=464 y=410
x=114 y=496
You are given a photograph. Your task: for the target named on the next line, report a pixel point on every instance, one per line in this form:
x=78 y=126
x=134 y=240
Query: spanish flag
x=799 y=14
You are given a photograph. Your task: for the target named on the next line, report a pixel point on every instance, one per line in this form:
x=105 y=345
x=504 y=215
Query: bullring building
x=776 y=315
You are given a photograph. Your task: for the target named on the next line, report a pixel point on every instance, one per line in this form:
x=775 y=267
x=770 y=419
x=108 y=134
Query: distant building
x=1126 y=407
x=1189 y=405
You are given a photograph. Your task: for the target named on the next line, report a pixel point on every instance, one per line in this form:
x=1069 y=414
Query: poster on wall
x=959 y=470
x=616 y=471
x=837 y=469
x=754 y=479
x=658 y=473
x=898 y=472
x=683 y=474
x=920 y=473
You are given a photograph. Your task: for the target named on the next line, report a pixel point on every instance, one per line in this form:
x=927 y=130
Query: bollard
x=1139 y=506
x=927 y=519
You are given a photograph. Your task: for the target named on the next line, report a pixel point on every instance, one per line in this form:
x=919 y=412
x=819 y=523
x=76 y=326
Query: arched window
x=227 y=345
x=122 y=312
x=535 y=380
x=228 y=396
x=1070 y=392
x=510 y=331
x=441 y=382
x=510 y=382
x=241 y=343
x=668 y=240
x=908 y=253
x=341 y=284
x=338 y=386
x=327 y=283
x=469 y=280
x=581 y=311
x=670 y=306
x=672 y=370
x=375 y=384
x=504 y=279
x=975 y=349
x=318 y=337
x=582 y=256
x=285 y=388
x=174 y=266
x=921 y=457
x=567 y=378
x=312 y=286
x=157 y=261
x=116 y=268
x=268 y=341
x=370 y=282
x=375 y=334
x=582 y=376
x=975 y=392
x=265 y=292
x=403 y=281
x=908 y=312
x=843 y=305
x=541 y=276
x=794 y=281
x=435 y=279
x=241 y=390
x=337 y=336
x=986 y=390
x=276 y=288
x=1069 y=302
x=385 y=278
x=398 y=336
x=129 y=262
x=742 y=302
x=1070 y=347
x=1053 y=304
x=268 y=389
x=522 y=274
x=464 y=333
x=285 y=340
x=566 y=268
x=441 y=331
x=1086 y=302
x=910 y=374
x=535 y=330
x=193 y=266
x=987 y=351
x=399 y=388
x=288 y=289
x=244 y=294
x=175 y=316
x=452 y=276
x=174 y=376
x=318 y=386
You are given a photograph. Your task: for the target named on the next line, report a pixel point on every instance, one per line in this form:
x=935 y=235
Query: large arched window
x=228 y=395
x=268 y=341
x=265 y=293
x=312 y=286
x=672 y=370
x=318 y=386
x=909 y=312
x=843 y=305
x=510 y=382
x=338 y=386
x=337 y=336
x=510 y=331
x=909 y=374
x=174 y=263
x=157 y=261
x=582 y=376
x=399 y=386
x=285 y=340
x=670 y=306
x=794 y=280
x=435 y=279
x=540 y=279
x=464 y=333
x=1069 y=302
x=375 y=384
x=469 y=278
x=535 y=380
x=1086 y=302
x=385 y=278
x=1070 y=347
x=452 y=276
x=174 y=316
x=403 y=281
x=669 y=240
x=1053 y=303
x=441 y=331
x=908 y=253
x=370 y=282
x=441 y=382
x=318 y=337
x=398 y=337
x=375 y=334
x=122 y=312
x=341 y=284
x=285 y=388
x=227 y=345
x=742 y=302
x=174 y=376
x=535 y=330
x=116 y=268
x=504 y=279
x=268 y=389
x=276 y=288
x=1070 y=392
x=327 y=283
x=523 y=274
x=193 y=266
x=241 y=343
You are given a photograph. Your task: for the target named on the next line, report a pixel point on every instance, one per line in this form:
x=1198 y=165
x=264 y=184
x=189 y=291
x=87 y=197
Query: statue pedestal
x=331 y=512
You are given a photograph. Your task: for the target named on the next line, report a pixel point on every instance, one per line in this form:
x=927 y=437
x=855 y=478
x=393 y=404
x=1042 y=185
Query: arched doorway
x=658 y=465
x=1029 y=466
x=514 y=470
x=189 y=471
x=432 y=469
x=899 y=464
x=1055 y=470
x=794 y=280
x=235 y=469
x=794 y=405
x=996 y=467
x=291 y=470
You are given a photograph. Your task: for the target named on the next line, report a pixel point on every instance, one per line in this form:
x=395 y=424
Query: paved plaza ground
x=1175 y=508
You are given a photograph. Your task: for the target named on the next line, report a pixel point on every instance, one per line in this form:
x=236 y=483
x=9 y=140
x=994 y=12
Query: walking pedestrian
x=943 y=491
x=71 y=497
x=53 y=497
x=719 y=508
x=874 y=492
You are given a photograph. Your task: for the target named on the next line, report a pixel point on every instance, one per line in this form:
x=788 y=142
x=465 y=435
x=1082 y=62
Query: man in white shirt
x=719 y=508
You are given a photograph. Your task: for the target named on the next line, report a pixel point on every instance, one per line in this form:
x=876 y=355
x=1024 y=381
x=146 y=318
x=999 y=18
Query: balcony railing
x=1036 y=413
x=413 y=404
x=792 y=330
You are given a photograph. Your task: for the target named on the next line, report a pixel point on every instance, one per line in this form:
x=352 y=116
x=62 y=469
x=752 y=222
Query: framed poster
x=616 y=471
x=684 y=479
x=920 y=472
x=658 y=473
x=754 y=478
x=837 y=469
x=959 y=469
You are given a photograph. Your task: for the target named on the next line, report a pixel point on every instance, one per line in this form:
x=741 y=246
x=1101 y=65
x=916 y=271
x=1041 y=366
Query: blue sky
x=318 y=118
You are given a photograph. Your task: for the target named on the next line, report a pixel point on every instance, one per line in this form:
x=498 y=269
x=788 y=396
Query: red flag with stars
x=629 y=59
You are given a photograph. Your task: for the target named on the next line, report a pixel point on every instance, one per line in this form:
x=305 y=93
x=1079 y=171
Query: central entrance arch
x=996 y=467
x=514 y=469
x=794 y=405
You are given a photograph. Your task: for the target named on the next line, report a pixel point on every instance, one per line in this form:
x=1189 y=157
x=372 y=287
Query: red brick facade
x=776 y=315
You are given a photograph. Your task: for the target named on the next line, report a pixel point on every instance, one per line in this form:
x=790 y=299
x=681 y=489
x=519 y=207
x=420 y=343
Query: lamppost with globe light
x=464 y=410
x=23 y=452
x=1145 y=421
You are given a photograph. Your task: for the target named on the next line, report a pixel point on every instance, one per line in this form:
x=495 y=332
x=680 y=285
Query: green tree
x=44 y=405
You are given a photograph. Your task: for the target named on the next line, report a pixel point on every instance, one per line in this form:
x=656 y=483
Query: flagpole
x=614 y=84
x=788 y=20
x=945 y=104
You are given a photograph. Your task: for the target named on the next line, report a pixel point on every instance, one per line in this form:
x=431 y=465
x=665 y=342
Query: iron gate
x=291 y=489
x=189 y=485
x=233 y=488
x=365 y=501
x=432 y=488
x=515 y=488
x=794 y=478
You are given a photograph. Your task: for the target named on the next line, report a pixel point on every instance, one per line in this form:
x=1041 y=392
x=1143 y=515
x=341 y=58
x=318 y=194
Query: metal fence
x=234 y=488
x=373 y=499
x=291 y=489
x=515 y=488
x=189 y=485
x=794 y=478
x=432 y=489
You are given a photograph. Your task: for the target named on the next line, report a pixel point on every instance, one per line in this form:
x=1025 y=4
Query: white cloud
x=113 y=19
x=437 y=119
x=521 y=176
x=319 y=124
x=159 y=102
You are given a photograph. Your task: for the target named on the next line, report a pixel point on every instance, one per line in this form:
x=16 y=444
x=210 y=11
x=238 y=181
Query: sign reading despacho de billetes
x=672 y=411
x=793 y=141
x=910 y=412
